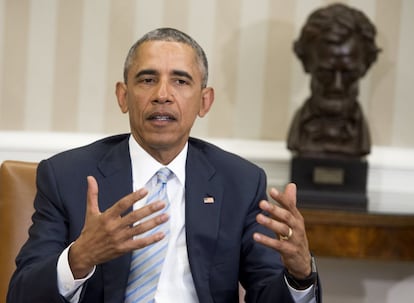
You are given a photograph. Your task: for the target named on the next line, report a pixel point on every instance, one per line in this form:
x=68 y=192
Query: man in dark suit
x=222 y=228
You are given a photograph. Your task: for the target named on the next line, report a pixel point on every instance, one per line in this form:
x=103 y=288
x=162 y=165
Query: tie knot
x=163 y=175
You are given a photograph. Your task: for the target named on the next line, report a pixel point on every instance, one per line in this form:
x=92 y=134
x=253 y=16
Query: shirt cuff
x=302 y=296
x=69 y=287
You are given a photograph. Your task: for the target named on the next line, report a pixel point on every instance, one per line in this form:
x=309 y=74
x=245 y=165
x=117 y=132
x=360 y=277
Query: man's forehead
x=179 y=53
x=150 y=55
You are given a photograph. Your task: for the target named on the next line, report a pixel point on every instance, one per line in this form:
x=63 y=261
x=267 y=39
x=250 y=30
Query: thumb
x=290 y=190
x=92 y=206
x=290 y=193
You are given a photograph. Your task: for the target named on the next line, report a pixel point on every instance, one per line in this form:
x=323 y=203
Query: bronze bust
x=336 y=47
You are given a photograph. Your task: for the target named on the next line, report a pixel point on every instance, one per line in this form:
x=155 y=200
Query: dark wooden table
x=360 y=235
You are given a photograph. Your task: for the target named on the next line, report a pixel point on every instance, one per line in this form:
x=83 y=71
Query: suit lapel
x=203 y=198
x=116 y=182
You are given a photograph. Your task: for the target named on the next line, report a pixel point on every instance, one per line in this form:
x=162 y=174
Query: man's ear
x=121 y=95
x=207 y=99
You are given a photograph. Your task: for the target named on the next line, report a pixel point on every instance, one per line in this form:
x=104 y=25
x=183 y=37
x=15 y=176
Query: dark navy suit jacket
x=220 y=247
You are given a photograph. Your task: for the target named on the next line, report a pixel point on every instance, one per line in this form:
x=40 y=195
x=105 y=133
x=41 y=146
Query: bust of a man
x=336 y=47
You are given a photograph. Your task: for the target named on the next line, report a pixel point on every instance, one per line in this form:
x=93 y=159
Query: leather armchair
x=17 y=191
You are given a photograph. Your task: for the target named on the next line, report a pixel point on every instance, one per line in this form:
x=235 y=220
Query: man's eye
x=146 y=80
x=181 y=81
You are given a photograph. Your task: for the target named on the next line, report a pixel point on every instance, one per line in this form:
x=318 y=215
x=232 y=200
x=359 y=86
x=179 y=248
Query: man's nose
x=163 y=93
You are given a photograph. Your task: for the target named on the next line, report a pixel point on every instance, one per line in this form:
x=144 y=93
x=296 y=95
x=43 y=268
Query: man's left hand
x=287 y=222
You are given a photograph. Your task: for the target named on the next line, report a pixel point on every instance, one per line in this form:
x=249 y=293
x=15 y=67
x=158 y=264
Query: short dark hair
x=173 y=35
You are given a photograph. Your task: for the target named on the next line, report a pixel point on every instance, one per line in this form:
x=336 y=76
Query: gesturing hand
x=286 y=221
x=107 y=235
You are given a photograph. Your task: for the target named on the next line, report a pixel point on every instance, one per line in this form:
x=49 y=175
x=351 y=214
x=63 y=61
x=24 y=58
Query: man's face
x=336 y=70
x=163 y=96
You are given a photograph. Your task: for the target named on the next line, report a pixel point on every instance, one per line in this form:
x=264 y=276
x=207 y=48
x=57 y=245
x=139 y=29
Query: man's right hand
x=109 y=234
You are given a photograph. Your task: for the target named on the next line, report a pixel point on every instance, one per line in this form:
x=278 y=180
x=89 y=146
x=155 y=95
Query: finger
x=125 y=203
x=92 y=206
x=145 y=241
x=278 y=227
x=146 y=225
x=143 y=212
x=280 y=220
x=290 y=194
x=270 y=242
x=276 y=212
x=286 y=199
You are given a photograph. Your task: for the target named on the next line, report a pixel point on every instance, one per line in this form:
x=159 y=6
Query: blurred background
x=59 y=61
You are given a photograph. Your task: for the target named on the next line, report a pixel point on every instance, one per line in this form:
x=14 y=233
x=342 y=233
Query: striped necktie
x=146 y=263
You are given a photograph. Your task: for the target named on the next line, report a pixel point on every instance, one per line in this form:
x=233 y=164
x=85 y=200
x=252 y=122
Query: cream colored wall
x=59 y=61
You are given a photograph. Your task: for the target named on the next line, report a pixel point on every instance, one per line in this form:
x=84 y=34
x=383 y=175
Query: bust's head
x=336 y=47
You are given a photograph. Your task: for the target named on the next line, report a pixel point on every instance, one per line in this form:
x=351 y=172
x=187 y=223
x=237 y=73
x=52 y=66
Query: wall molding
x=390 y=176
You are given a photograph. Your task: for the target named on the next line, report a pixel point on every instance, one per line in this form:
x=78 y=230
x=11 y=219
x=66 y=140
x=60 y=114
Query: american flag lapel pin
x=208 y=200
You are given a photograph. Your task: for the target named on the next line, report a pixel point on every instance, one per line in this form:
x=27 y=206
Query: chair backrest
x=17 y=191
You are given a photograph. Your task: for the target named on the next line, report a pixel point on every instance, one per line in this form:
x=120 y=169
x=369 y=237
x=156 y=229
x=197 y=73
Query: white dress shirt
x=176 y=280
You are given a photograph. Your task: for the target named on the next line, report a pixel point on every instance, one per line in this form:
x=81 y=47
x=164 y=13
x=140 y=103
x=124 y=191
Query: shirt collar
x=144 y=166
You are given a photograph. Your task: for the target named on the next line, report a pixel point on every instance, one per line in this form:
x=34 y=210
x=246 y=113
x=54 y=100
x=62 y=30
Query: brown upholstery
x=17 y=191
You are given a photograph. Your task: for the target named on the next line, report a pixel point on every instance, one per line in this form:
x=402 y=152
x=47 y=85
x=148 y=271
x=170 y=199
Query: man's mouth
x=161 y=117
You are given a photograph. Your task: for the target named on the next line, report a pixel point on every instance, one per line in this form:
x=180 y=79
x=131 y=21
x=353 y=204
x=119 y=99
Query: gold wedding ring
x=290 y=233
